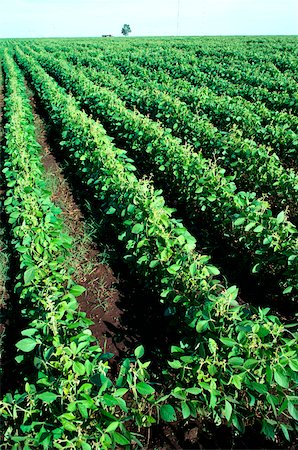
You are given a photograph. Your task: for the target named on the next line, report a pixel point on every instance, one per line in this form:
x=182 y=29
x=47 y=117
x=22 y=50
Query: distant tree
x=125 y=29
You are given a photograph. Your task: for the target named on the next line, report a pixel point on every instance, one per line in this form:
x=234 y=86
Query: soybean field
x=149 y=245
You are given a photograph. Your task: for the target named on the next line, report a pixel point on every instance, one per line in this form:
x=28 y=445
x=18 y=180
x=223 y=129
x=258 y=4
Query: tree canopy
x=126 y=29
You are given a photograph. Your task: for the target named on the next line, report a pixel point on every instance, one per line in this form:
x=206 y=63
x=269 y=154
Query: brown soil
x=3 y=290
x=100 y=301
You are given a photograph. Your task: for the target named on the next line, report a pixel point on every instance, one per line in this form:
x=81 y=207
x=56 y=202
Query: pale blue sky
x=45 y=18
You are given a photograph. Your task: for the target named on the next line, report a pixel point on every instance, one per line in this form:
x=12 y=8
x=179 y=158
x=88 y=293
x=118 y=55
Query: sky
x=78 y=18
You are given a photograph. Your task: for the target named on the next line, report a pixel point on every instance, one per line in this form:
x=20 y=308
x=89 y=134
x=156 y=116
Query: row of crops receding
x=189 y=148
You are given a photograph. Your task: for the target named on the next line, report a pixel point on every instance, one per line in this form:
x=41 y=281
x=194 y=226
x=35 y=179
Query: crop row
x=274 y=128
x=68 y=399
x=4 y=260
x=222 y=341
x=182 y=65
x=255 y=167
x=197 y=182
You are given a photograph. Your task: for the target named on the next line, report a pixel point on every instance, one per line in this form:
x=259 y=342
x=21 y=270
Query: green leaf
x=236 y=361
x=194 y=390
x=280 y=217
x=294 y=365
x=173 y=269
x=112 y=427
x=228 y=410
x=167 y=413
x=258 y=229
x=69 y=426
x=139 y=351
x=202 y=325
x=29 y=332
x=281 y=379
x=26 y=345
x=86 y=446
x=256 y=268
x=77 y=290
x=175 y=364
x=78 y=368
x=47 y=397
x=213 y=270
x=83 y=410
x=120 y=392
x=236 y=380
x=232 y=291
x=144 y=388
x=293 y=411
x=193 y=269
x=239 y=221
x=249 y=226
x=29 y=276
x=228 y=342
x=137 y=228
x=185 y=410
x=120 y=439
x=287 y=290
x=250 y=363
x=285 y=431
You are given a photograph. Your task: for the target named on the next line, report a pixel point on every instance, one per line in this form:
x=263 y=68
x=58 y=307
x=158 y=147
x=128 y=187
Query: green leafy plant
x=229 y=352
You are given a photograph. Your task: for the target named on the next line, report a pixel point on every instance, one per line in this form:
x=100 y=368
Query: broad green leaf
x=228 y=342
x=167 y=413
x=193 y=269
x=86 y=446
x=144 y=388
x=185 y=410
x=228 y=410
x=236 y=380
x=77 y=290
x=112 y=427
x=213 y=270
x=120 y=392
x=29 y=332
x=250 y=363
x=294 y=365
x=288 y=290
x=69 y=426
x=47 y=397
x=120 y=439
x=175 y=364
x=29 y=275
x=280 y=217
x=137 y=228
x=202 y=325
x=78 y=368
x=83 y=410
x=258 y=229
x=281 y=379
x=285 y=431
x=236 y=361
x=232 y=291
x=139 y=351
x=293 y=411
x=194 y=390
x=26 y=345
x=249 y=226
x=239 y=221
x=173 y=269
